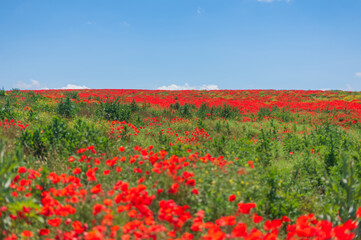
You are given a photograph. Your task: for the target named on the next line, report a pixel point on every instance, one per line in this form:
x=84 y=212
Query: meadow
x=152 y=164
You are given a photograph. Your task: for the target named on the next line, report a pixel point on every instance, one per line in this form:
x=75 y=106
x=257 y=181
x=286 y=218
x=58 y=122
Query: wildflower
x=76 y=171
x=272 y=224
x=91 y=175
x=78 y=227
x=232 y=198
x=97 y=208
x=245 y=208
x=256 y=218
x=21 y=170
x=55 y=222
x=26 y=233
x=44 y=232
x=285 y=219
x=240 y=230
x=96 y=189
x=174 y=188
x=195 y=191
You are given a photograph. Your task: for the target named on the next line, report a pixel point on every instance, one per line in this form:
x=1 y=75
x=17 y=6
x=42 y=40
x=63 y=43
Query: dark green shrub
x=175 y=106
x=263 y=112
x=72 y=94
x=219 y=145
x=15 y=90
x=225 y=111
x=185 y=111
x=35 y=142
x=66 y=107
x=2 y=92
x=228 y=112
x=114 y=110
x=133 y=106
x=59 y=138
x=203 y=110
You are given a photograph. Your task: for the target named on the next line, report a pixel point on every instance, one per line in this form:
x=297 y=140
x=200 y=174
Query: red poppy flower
x=44 y=232
x=195 y=191
x=78 y=227
x=21 y=170
x=96 y=189
x=232 y=198
x=26 y=233
x=245 y=208
x=55 y=222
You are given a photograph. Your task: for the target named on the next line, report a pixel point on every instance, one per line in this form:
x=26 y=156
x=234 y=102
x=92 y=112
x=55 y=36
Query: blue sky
x=210 y=44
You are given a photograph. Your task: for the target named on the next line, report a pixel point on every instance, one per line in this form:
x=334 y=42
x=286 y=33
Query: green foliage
x=9 y=164
x=218 y=126
x=7 y=111
x=344 y=192
x=274 y=112
x=72 y=94
x=203 y=110
x=264 y=148
x=225 y=111
x=163 y=140
x=32 y=115
x=34 y=142
x=114 y=110
x=66 y=108
x=278 y=200
x=134 y=106
x=219 y=145
x=175 y=106
x=15 y=91
x=185 y=111
x=200 y=124
x=2 y=92
x=60 y=138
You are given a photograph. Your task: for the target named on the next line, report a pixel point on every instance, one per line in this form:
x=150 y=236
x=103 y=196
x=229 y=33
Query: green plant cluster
x=115 y=110
x=60 y=138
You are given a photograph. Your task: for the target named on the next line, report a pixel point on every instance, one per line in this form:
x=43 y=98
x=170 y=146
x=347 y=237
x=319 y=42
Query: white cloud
x=187 y=87
x=73 y=86
x=90 y=22
x=199 y=11
x=36 y=85
x=33 y=85
x=358 y=74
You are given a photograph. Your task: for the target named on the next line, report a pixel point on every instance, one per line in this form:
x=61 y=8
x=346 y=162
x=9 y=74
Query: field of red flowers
x=142 y=164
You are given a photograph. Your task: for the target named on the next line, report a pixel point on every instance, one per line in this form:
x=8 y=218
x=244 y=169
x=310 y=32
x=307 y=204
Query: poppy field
x=152 y=164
